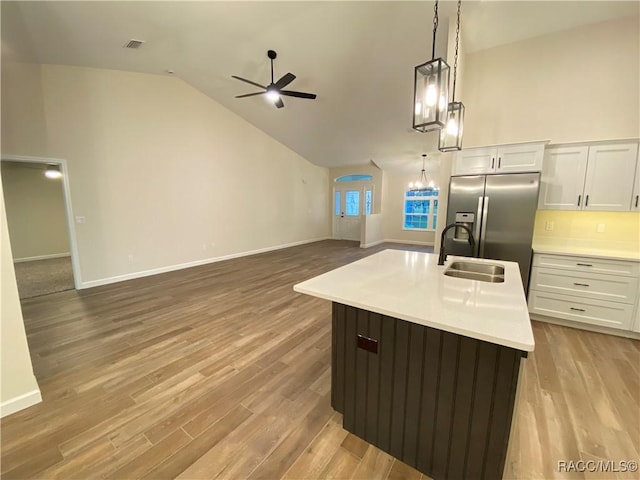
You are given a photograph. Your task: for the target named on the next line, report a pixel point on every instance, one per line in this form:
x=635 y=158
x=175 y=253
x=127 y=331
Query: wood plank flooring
x=222 y=371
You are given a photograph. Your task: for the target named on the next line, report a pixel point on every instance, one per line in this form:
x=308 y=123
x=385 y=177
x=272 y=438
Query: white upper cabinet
x=588 y=177
x=609 y=182
x=635 y=198
x=562 y=181
x=525 y=157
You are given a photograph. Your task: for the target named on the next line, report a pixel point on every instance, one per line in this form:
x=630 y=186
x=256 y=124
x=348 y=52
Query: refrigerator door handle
x=483 y=231
x=476 y=234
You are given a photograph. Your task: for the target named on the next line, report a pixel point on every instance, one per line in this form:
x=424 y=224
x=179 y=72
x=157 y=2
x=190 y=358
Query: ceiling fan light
x=273 y=95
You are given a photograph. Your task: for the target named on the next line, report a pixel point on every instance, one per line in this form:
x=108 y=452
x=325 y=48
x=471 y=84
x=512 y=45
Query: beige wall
x=18 y=386
x=580 y=84
x=162 y=174
x=35 y=211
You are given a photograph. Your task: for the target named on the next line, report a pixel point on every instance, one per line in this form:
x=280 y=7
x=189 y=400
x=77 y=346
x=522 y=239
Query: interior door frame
x=66 y=190
x=362 y=187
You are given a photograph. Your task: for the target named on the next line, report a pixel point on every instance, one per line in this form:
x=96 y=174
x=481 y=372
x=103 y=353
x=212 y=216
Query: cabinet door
x=609 y=182
x=563 y=178
x=520 y=158
x=474 y=161
x=635 y=199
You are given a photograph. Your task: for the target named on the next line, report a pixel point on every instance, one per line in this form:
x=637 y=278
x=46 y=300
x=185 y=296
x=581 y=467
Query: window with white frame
x=420 y=209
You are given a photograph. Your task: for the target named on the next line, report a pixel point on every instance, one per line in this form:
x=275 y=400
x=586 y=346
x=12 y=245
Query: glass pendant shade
x=451 y=134
x=431 y=95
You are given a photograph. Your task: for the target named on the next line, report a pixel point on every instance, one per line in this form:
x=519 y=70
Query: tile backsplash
x=614 y=230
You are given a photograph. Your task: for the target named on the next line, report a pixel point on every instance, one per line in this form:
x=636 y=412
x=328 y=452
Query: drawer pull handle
x=499 y=162
x=493 y=162
x=584 y=264
x=581 y=284
x=577 y=309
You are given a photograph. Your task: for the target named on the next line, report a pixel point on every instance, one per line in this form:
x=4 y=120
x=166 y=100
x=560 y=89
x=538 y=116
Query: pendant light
x=53 y=171
x=431 y=89
x=451 y=134
x=422 y=183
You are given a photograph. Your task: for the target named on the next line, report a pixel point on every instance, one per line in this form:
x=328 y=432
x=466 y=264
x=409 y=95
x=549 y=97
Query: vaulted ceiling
x=358 y=57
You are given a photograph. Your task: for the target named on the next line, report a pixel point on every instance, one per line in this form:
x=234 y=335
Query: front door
x=347 y=208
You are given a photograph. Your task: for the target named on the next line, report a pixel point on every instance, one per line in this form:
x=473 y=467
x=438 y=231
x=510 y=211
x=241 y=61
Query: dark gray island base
x=438 y=401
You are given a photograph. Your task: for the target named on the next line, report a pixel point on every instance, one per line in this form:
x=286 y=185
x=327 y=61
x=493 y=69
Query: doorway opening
x=39 y=219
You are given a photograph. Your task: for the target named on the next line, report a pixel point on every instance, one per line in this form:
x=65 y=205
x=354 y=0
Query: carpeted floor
x=41 y=277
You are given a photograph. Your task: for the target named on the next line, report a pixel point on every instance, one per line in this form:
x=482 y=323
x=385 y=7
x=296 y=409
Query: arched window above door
x=354 y=178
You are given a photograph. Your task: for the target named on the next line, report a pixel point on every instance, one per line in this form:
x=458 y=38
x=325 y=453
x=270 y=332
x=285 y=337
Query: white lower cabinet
x=576 y=289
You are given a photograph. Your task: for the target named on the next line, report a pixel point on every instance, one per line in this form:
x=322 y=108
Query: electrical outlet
x=548 y=226
x=600 y=228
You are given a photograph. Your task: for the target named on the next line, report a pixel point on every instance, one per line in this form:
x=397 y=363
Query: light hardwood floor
x=222 y=371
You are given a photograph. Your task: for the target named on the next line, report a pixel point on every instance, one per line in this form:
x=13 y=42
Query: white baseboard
x=41 y=257
x=409 y=242
x=171 y=268
x=371 y=244
x=20 y=403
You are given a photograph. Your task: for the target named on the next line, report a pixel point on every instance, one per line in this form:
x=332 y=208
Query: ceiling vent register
x=134 y=44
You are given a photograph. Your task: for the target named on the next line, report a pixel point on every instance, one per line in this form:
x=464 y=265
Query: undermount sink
x=483 y=272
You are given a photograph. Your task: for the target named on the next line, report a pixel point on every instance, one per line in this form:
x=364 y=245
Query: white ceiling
x=358 y=57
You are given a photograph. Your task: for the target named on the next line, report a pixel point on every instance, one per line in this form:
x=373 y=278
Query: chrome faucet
x=443 y=256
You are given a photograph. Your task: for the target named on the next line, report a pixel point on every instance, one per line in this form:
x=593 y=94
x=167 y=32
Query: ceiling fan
x=274 y=91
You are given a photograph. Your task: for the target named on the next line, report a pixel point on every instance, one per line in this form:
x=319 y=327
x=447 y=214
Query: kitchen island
x=426 y=366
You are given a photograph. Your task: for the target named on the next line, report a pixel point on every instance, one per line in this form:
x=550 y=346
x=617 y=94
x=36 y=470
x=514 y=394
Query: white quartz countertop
x=411 y=286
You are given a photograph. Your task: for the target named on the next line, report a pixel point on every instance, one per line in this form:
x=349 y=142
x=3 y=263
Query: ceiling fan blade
x=250 y=94
x=248 y=81
x=298 y=94
x=285 y=80
x=279 y=103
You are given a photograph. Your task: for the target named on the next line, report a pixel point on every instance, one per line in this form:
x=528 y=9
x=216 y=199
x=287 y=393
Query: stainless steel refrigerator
x=500 y=211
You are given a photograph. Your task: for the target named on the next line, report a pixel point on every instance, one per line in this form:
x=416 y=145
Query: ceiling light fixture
x=53 y=171
x=422 y=183
x=451 y=135
x=431 y=88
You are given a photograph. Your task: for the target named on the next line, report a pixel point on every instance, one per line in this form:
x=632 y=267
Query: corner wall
x=35 y=211
x=18 y=386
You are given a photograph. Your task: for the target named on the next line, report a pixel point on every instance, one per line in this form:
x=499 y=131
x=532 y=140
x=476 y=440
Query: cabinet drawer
x=613 y=288
x=595 y=312
x=586 y=264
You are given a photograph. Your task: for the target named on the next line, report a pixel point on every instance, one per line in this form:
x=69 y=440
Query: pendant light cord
x=455 y=62
x=435 y=29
